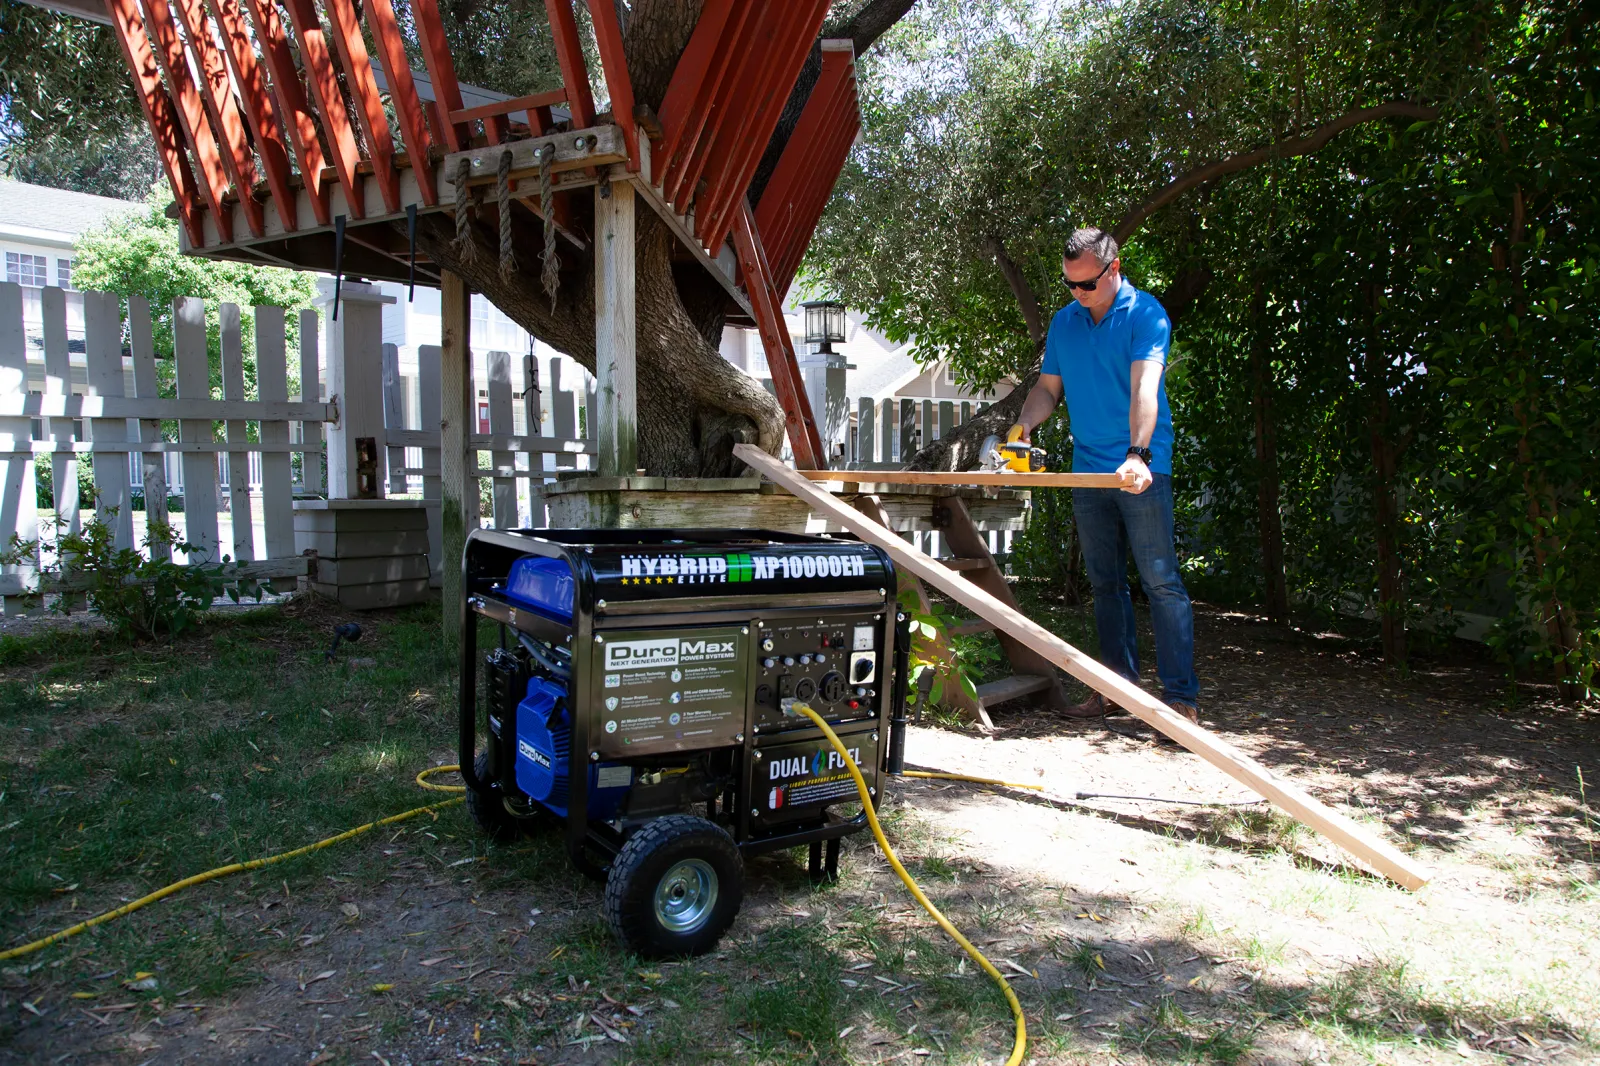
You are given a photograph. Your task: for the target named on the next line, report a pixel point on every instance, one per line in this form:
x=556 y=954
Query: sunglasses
x=1089 y=286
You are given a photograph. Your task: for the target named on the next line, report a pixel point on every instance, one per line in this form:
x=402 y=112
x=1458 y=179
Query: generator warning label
x=671 y=690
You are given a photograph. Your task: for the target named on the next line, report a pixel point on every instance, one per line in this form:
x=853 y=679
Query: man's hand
x=1019 y=432
x=1136 y=477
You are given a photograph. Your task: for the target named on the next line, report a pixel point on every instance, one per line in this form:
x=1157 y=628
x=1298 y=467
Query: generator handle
x=895 y=757
x=557 y=670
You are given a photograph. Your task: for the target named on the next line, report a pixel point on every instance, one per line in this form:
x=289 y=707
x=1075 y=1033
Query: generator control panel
x=829 y=662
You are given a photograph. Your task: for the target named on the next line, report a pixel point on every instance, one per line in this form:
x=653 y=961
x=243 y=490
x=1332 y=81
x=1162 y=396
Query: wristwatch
x=1144 y=454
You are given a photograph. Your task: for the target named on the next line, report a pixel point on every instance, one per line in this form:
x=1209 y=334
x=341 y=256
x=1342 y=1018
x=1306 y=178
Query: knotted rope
x=508 y=258
x=551 y=275
x=465 y=247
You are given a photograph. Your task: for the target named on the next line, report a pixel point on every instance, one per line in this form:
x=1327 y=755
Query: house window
x=64 y=273
x=950 y=376
x=27 y=269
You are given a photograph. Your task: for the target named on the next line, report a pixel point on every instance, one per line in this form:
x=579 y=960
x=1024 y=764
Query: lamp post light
x=823 y=371
x=824 y=325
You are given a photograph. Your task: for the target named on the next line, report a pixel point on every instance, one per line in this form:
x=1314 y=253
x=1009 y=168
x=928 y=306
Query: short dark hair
x=1092 y=239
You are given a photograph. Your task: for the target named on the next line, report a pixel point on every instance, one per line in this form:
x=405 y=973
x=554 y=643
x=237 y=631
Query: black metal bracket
x=338 y=262
x=411 y=236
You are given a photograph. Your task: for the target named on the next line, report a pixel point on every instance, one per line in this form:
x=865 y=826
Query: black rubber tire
x=487 y=810
x=648 y=856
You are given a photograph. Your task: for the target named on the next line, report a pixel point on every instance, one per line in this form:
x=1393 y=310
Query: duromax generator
x=634 y=694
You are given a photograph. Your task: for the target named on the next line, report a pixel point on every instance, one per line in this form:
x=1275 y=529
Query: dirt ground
x=1135 y=930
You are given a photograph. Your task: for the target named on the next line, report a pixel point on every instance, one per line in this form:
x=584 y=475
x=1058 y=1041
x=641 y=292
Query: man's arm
x=1144 y=403
x=1042 y=400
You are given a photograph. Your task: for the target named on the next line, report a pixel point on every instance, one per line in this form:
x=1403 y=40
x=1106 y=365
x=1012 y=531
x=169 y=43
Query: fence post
x=394 y=416
x=428 y=415
x=147 y=387
x=865 y=431
x=102 y=336
x=310 y=392
x=58 y=382
x=908 y=430
x=277 y=472
x=458 y=483
x=947 y=418
x=355 y=376
x=500 y=424
x=239 y=516
x=886 y=431
x=19 y=509
x=563 y=414
x=199 y=468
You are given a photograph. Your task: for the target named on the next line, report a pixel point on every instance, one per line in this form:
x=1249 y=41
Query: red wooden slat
x=704 y=110
x=216 y=94
x=330 y=101
x=161 y=114
x=569 y=53
x=701 y=61
x=291 y=96
x=506 y=107
x=258 y=108
x=369 y=105
x=722 y=105
x=614 y=64
x=825 y=155
x=786 y=382
x=191 y=114
x=810 y=212
x=441 y=69
x=751 y=141
x=403 y=93
x=797 y=153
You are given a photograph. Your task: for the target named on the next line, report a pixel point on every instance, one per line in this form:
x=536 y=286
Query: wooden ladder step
x=970 y=626
x=967 y=564
x=1011 y=688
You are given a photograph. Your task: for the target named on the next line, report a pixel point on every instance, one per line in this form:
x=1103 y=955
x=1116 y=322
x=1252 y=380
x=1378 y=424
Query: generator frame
x=592 y=617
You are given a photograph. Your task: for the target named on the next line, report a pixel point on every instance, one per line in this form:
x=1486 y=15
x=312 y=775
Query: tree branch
x=1283 y=149
x=870 y=23
x=1027 y=301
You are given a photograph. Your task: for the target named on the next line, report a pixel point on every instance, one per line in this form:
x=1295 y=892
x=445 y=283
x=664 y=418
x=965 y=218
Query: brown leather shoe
x=1093 y=707
x=1188 y=710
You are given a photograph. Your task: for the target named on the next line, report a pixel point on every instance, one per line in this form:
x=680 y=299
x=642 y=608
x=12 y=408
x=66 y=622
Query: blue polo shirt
x=1094 y=361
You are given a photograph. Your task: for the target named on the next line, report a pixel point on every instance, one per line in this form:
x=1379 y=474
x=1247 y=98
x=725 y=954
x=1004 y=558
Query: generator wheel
x=675 y=887
x=487 y=811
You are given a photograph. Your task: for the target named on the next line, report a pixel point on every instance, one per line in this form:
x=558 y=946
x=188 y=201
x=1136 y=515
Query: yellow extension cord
x=1019 y=1046
x=1020 y=1043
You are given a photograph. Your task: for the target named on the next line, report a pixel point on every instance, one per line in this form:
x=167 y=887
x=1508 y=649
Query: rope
x=465 y=246
x=551 y=275
x=508 y=258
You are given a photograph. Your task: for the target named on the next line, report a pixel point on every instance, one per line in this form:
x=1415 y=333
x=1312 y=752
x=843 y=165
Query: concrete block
x=345 y=572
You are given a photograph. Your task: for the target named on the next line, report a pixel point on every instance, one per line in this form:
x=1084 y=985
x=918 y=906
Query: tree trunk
x=1385 y=502
x=1269 y=522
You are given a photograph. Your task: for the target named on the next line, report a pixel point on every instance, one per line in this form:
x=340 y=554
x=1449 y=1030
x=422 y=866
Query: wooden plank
x=199 y=468
x=614 y=65
x=290 y=93
x=310 y=390
x=725 y=108
x=1012 y=688
x=216 y=95
x=967 y=564
x=374 y=122
x=146 y=386
x=429 y=408
x=976 y=478
x=258 y=108
x=277 y=475
x=19 y=508
x=501 y=108
x=602 y=144
x=160 y=112
x=102 y=332
x=191 y=115
x=615 y=359
x=403 y=94
x=1354 y=839
x=441 y=70
x=237 y=428
x=77 y=405
x=798 y=157
x=458 y=490
x=500 y=421
x=683 y=111
x=324 y=83
x=58 y=382
x=569 y=54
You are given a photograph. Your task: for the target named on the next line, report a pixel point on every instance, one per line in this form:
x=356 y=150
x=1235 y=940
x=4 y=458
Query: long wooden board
x=1355 y=840
x=1002 y=480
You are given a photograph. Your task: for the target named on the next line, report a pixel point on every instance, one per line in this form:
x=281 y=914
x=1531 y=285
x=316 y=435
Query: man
x=1107 y=353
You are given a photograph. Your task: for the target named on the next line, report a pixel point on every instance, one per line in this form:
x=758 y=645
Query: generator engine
x=636 y=697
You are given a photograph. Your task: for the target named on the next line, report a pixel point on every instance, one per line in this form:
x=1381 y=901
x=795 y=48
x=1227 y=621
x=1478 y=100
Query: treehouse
x=310 y=142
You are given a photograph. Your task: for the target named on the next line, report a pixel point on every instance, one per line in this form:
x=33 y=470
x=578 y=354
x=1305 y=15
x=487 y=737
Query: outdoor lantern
x=824 y=324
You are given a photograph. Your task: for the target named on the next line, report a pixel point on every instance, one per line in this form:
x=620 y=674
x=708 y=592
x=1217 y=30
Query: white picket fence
x=237 y=488
x=885 y=434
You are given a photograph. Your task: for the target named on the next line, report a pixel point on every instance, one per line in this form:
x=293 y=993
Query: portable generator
x=634 y=694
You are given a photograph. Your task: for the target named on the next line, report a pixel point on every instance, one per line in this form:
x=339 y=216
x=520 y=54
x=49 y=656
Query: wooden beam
x=966 y=477
x=1357 y=841
x=216 y=94
x=324 y=83
x=258 y=107
x=298 y=121
x=403 y=94
x=505 y=107
x=615 y=334
x=364 y=94
x=569 y=54
x=441 y=70
x=458 y=489
x=614 y=65
x=191 y=113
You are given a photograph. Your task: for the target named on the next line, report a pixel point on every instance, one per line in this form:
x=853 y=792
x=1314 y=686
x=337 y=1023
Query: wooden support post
x=355 y=377
x=614 y=333
x=1354 y=839
x=458 y=485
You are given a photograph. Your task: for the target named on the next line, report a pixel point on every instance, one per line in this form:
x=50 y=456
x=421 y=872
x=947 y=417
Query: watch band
x=1144 y=454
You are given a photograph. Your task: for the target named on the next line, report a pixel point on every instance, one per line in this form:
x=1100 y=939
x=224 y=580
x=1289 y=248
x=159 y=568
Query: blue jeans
x=1110 y=524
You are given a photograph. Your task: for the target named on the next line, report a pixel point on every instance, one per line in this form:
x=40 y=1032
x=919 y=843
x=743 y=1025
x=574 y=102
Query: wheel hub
x=686 y=896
